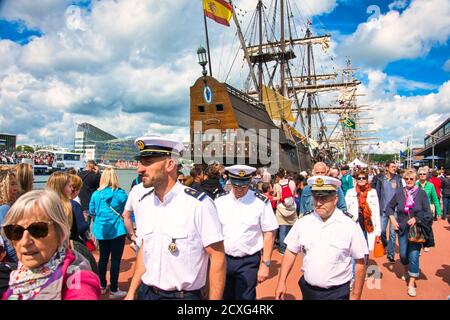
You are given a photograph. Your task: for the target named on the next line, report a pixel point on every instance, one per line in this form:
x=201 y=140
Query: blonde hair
x=109 y=179
x=410 y=172
x=24 y=175
x=49 y=202
x=6 y=174
x=76 y=181
x=57 y=183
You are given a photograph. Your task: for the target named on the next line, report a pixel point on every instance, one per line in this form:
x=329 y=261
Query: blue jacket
x=306 y=203
x=386 y=190
x=347 y=183
x=107 y=224
x=10 y=251
x=82 y=225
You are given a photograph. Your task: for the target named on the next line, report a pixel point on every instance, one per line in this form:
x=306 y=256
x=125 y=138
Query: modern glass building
x=8 y=142
x=87 y=135
x=437 y=145
x=114 y=150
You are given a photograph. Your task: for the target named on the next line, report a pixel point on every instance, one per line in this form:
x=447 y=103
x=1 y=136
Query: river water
x=125 y=177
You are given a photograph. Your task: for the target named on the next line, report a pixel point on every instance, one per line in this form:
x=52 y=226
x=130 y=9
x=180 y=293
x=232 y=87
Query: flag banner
x=348 y=122
x=218 y=10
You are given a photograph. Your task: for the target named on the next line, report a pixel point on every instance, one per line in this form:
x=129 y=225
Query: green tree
x=24 y=148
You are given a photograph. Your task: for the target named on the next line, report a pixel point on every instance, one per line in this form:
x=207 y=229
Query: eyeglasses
x=14 y=232
x=361 y=178
x=182 y=180
x=422 y=174
x=410 y=179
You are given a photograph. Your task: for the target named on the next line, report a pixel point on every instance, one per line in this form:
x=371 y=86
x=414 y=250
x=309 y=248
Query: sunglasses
x=361 y=178
x=422 y=174
x=410 y=179
x=14 y=232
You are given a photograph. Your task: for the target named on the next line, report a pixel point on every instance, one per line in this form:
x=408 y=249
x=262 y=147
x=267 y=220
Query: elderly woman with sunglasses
x=36 y=225
x=413 y=208
x=430 y=190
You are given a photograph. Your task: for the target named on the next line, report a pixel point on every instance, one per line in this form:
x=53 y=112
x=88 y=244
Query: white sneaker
x=119 y=294
x=412 y=291
x=426 y=249
x=103 y=291
x=404 y=277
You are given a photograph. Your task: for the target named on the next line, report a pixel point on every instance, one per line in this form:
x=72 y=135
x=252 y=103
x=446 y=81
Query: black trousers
x=309 y=292
x=242 y=277
x=146 y=292
x=113 y=247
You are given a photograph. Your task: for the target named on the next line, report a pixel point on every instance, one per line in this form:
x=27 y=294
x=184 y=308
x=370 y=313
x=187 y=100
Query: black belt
x=174 y=293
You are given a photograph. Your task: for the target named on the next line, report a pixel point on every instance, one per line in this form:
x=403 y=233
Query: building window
x=201 y=109
x=219 y=107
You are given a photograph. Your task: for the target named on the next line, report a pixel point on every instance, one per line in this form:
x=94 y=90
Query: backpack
x=287 y=197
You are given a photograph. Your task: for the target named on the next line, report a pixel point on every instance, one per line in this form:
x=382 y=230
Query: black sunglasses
x=14 y=232
x=361 y=178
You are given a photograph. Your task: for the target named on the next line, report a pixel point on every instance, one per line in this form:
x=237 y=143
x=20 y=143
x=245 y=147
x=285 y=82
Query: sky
x=126 y=65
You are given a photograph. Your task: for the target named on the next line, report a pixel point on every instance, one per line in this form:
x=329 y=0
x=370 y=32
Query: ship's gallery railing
x=245 y=97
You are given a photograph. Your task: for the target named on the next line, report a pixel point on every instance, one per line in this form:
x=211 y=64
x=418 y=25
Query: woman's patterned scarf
x=26 y=283
x=409 y=198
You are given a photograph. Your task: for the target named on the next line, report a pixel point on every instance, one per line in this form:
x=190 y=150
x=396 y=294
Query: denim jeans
x=282 y=233
x=409 y=254
x=392 y=234
x=113 y=247
x=446 y=208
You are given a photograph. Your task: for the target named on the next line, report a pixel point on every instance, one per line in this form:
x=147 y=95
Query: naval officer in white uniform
x=180 y=231
x=329 y=239
x=249 y=226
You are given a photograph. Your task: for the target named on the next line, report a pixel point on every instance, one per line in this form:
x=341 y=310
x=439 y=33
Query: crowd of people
x=217 y=223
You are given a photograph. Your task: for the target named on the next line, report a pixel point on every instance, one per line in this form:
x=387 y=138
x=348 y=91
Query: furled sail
x=277 y=106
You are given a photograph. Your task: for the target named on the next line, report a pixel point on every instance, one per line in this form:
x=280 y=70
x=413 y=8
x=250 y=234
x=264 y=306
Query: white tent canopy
x=356 y=163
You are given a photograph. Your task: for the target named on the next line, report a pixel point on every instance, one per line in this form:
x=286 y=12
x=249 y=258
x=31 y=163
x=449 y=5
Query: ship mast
x=309 y=82
x=260 y=63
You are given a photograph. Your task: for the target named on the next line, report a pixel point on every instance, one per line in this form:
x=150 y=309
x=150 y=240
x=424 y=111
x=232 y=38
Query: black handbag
x=415 y=234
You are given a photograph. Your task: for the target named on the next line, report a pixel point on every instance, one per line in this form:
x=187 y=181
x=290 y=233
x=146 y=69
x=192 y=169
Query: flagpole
x=207 y=43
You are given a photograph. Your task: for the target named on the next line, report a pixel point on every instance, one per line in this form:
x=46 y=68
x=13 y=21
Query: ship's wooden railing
x=245 y=149
x=243 y=96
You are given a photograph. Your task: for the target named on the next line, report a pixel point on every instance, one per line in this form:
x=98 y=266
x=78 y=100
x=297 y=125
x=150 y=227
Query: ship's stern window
x=201 y=109
x=219 y=107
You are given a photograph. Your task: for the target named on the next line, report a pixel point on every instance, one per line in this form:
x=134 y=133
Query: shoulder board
x=147 y=194
x=354 y=218
x=222 y=194
x=305 y=214
x=262 y=197
x=194 y=193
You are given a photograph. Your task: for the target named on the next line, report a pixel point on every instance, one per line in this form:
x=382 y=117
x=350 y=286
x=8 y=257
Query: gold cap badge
x=319 y=182
x=140 y=145
x=241 y=173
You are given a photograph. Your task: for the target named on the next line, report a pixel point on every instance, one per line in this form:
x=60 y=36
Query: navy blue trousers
x=148 y=293
x=242 y=277
x=309 y=292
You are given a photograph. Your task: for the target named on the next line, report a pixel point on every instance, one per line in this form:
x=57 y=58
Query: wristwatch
x=266 y=262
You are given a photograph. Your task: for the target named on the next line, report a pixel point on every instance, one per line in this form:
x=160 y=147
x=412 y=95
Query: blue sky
x=116 y=63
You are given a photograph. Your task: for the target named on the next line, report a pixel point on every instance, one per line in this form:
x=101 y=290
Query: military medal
x=173 y=246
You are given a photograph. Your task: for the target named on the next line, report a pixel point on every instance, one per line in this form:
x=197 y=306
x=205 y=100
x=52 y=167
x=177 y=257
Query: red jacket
x=437 y=185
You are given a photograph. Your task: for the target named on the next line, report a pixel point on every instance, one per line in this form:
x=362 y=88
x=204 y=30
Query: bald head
x=320 y=169
x=334 y=173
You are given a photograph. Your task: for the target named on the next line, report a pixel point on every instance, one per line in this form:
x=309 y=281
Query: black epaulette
x=194 y=193
x=222 y=194
x=147 y=194
x=301 y=215
x=348 y=214
x=262 y=197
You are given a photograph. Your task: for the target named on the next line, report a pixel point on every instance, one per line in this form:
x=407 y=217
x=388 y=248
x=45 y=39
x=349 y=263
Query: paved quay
x=433 y=283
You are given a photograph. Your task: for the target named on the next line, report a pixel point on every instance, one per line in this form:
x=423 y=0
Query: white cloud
x=446 y=66
x=398 y=4
x=396 y=36
x=396 y=117
x=316 y=7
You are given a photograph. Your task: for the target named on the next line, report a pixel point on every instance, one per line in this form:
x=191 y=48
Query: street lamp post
x=432 y=148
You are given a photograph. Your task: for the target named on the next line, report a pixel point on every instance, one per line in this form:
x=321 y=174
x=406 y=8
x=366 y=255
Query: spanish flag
x=218 y=10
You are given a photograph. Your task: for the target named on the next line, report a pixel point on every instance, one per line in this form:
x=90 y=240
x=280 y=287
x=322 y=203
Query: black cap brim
x=323 y=193
x=240 y=182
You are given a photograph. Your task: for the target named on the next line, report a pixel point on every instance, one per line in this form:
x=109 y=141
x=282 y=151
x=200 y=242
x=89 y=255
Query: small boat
x=47 y=161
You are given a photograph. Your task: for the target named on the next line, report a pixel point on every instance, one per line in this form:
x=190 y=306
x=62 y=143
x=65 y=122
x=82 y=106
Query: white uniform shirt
x=244 y=220
x=327 y=247
x=192 y=224
x=136 y=193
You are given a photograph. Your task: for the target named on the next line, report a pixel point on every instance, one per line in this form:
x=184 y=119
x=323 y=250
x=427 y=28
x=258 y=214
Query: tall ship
x=285 y=114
